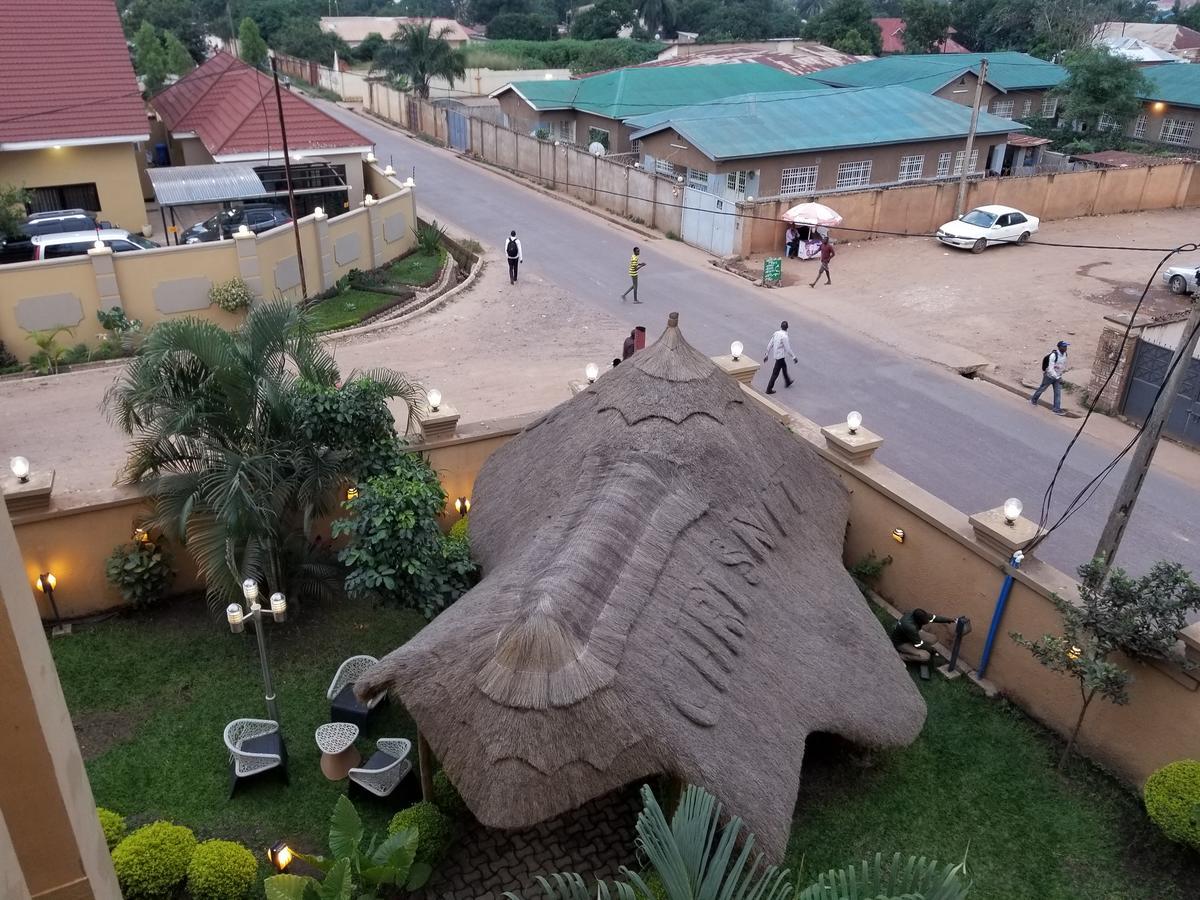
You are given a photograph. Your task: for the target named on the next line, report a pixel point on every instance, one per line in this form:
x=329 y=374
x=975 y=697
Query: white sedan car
x=1182 y=279
x=988 y=225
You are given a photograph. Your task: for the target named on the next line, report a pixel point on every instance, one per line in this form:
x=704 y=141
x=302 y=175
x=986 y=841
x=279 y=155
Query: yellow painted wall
x=139 y=274
x=113 y=168
x=22 y=280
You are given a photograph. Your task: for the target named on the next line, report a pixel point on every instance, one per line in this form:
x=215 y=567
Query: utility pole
x=966 y=166
x=287 y=174
x=1118 y=518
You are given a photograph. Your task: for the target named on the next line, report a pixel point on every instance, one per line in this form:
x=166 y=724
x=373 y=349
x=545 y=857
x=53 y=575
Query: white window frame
x=853 y=174
x=1049 y=106
x=1139 y=126
x=943 y=165
x=798 y=180
x=699 y=179
x=664 y=167
x=1003 y=108
x=911 y=167
x=1106 y=122
x=1027 y=109
x=563 y=130
x=958 y=161
x=1180 y=132
x=735 y=182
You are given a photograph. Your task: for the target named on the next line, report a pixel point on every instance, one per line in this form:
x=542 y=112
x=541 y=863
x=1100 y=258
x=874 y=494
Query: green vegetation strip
x=417 y=269
x=348 y=308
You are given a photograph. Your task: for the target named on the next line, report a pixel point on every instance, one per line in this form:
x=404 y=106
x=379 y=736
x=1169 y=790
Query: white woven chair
x=255 y=746
x=343 y=705
x=386 y=768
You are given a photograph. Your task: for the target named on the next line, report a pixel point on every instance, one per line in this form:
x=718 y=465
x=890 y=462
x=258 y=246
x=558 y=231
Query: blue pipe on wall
x=998 y=614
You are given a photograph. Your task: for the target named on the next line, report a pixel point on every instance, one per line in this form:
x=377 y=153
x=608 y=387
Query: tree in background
x=659 y=15
x=846 y=25
x=149 y=58
x=521 y=27
x=1101 y=84
x=416 y=55
x=179 y=61
x=604 y=20
x=12 y=210
x=926 y=24
x=183 y=18
x=305 y=39
x=369 y=46
x=251 y=46
x=1138 y=617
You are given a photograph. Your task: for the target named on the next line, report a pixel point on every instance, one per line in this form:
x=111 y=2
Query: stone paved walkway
x=594 y=840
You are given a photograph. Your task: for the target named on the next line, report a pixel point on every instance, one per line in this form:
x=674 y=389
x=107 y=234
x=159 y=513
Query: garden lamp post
x=236 y=617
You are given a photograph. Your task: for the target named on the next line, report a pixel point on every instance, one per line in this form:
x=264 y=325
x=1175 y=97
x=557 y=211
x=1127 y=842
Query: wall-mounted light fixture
x=19 y=466
x=898 y=535
x=591 y=371
x=46 y=583
x=735 y=350
x=140 y=535
x=853 y=421
x=462 y=505
x=435 y=399
x=352 y=492
x=1012 y=511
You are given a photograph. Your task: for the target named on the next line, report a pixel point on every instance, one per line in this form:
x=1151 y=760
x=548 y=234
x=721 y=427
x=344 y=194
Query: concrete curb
x=1021 y=391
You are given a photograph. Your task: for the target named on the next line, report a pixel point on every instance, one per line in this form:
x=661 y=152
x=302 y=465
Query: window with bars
x=1106 y=122
x=735 y=182
x=563 y=130
x=853 y=174
x=958 y=161
x=694 y=178
x=1027 y=109
x=1049 y=107
x=1176 y=131
x=911 y=167
x=598 y=136
x=1139 y=127
x=664 y=167
x=798 y=180
x=943 y=165
x=1002 y=107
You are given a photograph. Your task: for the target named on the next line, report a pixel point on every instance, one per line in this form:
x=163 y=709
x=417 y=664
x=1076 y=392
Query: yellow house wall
x=113 y=168
x=140 y=276
x=33 y=279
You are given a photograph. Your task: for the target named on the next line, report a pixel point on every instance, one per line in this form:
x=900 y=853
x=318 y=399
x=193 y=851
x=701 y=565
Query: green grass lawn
x=151 y=694
x=417 y=268
x=347 y=309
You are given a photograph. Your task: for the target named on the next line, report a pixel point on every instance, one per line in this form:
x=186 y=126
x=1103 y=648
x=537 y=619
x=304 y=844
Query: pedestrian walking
x=1054 y=364
x=635 y=266
x=514 y=254
x=630 y=345
x=780 y=348
x=827 y=254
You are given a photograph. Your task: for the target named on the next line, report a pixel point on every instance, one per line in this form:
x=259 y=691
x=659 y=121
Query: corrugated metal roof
x=804 y=122
x=637 y=91
x=1008 y=71
x=183 y=185
x=802 y=60
x=891 y=30
x=1177 y=83
x=1027 y=140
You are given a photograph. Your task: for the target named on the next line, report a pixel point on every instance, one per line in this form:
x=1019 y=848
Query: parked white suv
x=78 y=243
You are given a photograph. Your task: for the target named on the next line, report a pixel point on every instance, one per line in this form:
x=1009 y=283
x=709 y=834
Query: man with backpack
x=512 y=251
x=1054 y=364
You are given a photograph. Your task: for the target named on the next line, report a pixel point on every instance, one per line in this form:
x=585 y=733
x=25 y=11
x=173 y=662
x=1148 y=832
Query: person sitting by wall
x=911 y=642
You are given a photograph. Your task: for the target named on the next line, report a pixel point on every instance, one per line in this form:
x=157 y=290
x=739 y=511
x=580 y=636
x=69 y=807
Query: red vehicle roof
x=65 y=75
x=231 y=108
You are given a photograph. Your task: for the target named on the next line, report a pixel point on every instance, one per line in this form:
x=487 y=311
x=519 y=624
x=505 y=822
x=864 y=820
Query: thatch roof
x=663 y=593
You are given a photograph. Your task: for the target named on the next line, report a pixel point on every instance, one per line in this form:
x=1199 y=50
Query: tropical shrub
x=221 y=870
x=113 y=825
x=153 y=861
x=458 y=531
x=429 y=237
x=231 y=295
x=352 y=419
x=50 y=352
x=1172 y=797
x=433 y=828
x=220 y=449
x=7 y=359
x=395 y=550
x=447 y=798
x=141 y=571
x=114 y=320
x=350 y=871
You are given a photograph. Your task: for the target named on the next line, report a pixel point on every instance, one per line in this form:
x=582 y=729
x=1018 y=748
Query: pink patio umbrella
x=814 y=214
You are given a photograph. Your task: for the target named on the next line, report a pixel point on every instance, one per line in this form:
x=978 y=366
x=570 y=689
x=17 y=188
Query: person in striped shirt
x=635 y=265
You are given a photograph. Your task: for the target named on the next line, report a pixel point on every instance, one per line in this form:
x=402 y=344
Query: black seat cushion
x=345 y=701
x=378 y=760
x=267 y=743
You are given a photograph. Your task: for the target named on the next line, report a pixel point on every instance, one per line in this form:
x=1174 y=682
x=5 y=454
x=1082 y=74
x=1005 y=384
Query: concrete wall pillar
x=247 y=257
x=378 y=244
x=325 y=264
x=50 y=825
x=106 y=277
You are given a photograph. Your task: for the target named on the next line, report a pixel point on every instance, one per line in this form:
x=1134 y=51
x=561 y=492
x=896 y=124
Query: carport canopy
x=217 y=183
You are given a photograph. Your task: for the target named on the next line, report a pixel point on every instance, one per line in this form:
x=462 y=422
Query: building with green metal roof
x=1016 y=85
x=594 y=109
x=816 y=141
x=1171 y=106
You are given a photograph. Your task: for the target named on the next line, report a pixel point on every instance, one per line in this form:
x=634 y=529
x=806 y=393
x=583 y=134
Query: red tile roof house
x=892 y=32
x=224 y=111
x=72 y=120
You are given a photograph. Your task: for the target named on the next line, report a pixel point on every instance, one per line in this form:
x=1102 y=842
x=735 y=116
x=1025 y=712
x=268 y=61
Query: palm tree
x=415 y=55
x=693 y=858
x=219 y=447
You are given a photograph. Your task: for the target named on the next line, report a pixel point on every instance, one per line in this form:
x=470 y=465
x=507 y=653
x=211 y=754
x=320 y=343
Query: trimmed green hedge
x=221 y=870
x=433 y=827
x=113 y=825
x=1172 y=797
x=153 y=862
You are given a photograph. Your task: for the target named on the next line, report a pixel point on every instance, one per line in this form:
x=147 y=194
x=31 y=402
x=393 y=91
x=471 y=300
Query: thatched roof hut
x=663 y=593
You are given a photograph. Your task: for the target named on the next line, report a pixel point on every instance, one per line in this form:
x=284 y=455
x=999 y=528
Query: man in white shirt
x=780 y=348
x=514 y=255
x=1055 y=366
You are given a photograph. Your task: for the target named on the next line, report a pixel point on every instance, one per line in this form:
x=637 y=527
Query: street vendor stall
x=808 y=224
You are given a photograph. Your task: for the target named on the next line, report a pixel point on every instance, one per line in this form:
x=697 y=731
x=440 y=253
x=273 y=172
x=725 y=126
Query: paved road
x=971 y=444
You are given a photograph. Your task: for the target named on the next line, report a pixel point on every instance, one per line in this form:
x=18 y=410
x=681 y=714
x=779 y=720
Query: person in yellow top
x=635 y=265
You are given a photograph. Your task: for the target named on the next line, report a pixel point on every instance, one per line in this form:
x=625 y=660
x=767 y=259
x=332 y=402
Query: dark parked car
x=58 y=221
x=257 y=217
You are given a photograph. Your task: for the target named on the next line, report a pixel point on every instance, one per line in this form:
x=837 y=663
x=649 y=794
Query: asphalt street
x=969 y=443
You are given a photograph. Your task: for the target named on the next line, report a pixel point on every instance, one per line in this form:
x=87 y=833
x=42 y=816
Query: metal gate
x=708 y=221
x=460 y=130
x=1150 y=366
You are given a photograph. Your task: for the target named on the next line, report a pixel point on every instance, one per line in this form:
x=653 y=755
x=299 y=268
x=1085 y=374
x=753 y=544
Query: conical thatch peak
x=663 y=593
